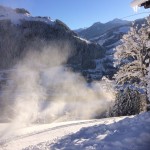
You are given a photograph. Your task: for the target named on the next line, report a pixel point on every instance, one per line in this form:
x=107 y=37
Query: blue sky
x=78 y=13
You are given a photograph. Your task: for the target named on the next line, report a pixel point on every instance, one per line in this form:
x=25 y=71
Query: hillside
x=23 y=32
x=98 y=28
x=109 y=36
x=44 y=64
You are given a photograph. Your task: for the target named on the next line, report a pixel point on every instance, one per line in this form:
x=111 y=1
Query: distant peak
x=120 y=21
x=97 y=23
x=117 y=19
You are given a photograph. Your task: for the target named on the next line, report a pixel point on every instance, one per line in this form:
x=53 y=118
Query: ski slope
x=122 y=133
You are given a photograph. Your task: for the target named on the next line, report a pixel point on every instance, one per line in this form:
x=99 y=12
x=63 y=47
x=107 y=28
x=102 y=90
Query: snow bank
x=129 y=133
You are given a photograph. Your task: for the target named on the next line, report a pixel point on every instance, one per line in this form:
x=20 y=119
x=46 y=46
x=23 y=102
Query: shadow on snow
x=127 y=134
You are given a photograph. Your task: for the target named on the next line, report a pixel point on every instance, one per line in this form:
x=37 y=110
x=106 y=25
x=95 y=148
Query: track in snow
x=46 y=130
x=66 y=128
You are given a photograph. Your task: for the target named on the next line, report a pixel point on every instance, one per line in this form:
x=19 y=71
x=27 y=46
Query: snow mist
x=42 y=90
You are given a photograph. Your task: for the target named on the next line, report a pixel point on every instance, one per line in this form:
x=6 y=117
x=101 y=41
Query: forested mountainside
x=21 y=32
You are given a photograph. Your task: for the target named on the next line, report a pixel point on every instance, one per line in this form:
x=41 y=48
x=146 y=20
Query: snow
x=88 y=42
x=137 y=2
x=96 y=73
x=97 y=37
x=119 y=133
x=124 y=29
x=129 y=133
x=1 y=77
x=19 y=138
x=114 y=44
x=102 y=41
x=99 y=65
x=7 y=13
x=79 y=30
x=110 y=52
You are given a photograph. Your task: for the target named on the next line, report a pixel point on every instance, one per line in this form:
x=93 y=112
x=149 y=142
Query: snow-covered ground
x=122 y=133
x=82 y=39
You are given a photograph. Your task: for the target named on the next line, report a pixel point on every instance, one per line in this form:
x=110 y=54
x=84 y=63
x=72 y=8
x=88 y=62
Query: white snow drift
x=120 y=133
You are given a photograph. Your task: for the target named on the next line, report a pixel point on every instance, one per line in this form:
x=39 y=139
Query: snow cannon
x=140 y=3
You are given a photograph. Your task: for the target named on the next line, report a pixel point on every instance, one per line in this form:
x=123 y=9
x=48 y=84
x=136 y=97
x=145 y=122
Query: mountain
x=79 y=30
x=109 y=36
x=20 y=31
x=98 y=28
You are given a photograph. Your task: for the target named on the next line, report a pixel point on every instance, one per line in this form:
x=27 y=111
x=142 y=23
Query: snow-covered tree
x=128 y=102
x=132 y=61
x=130 y=56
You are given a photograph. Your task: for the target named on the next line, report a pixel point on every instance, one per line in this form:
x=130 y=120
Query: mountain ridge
x=98 y=28
x=27 y=31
